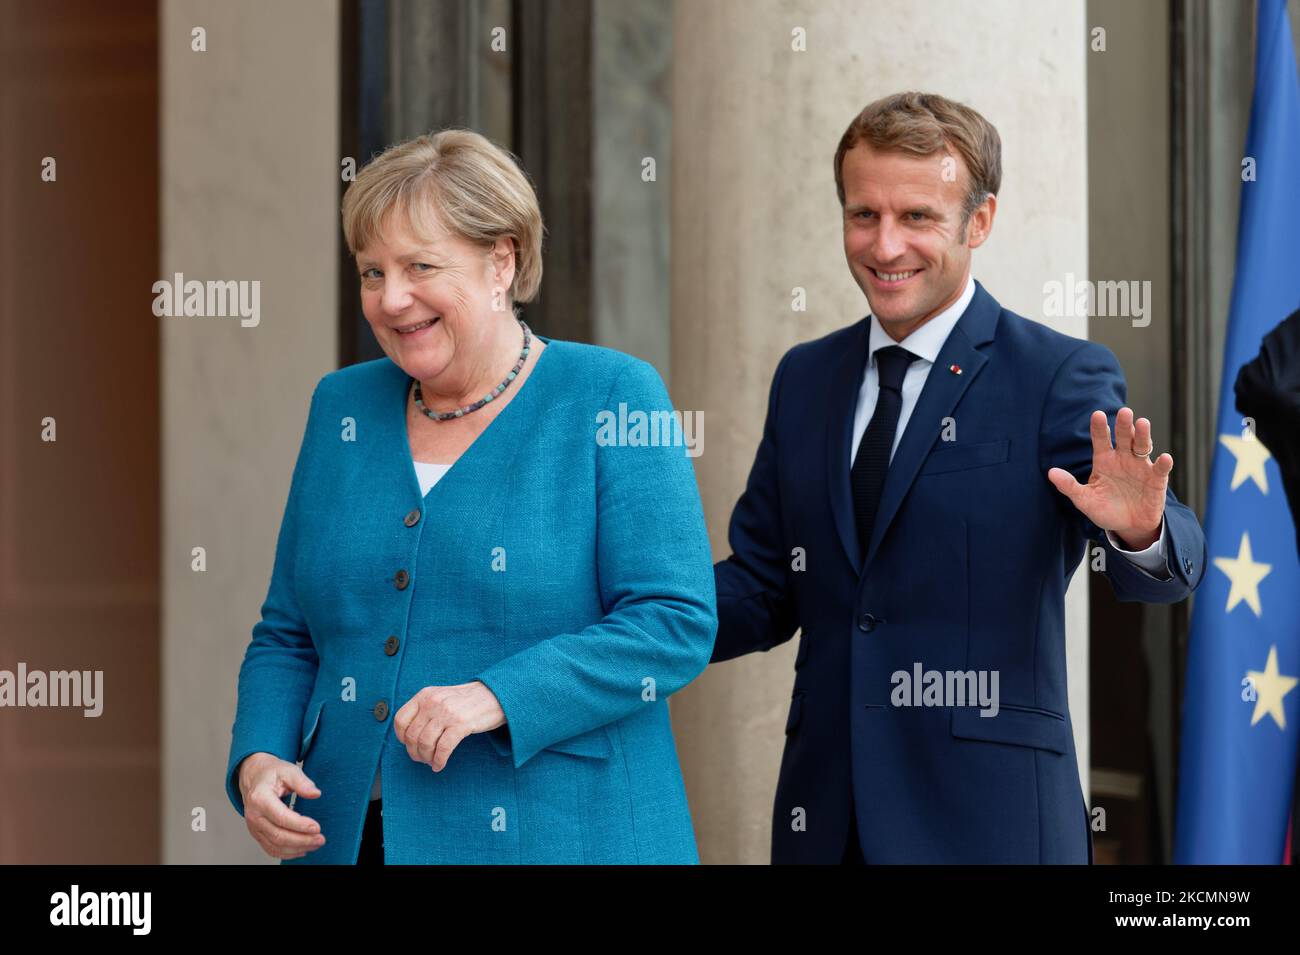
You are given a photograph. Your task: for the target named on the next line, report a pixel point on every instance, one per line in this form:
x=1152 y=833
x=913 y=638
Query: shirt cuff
x=1152 y=560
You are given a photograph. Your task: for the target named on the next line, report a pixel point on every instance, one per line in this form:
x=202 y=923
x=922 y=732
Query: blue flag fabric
x=1241 y=709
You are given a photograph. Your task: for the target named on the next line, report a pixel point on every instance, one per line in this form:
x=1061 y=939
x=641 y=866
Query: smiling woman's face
x=430 y=304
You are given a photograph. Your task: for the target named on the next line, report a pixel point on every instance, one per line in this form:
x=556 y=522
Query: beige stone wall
x=249 y=172
x=754 y=214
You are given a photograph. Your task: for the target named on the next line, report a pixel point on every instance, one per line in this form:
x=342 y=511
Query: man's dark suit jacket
x=966 y=571
x=1268 y=390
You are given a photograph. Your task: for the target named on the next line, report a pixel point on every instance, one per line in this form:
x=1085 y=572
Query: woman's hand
x=433 y=722
x=281 y=832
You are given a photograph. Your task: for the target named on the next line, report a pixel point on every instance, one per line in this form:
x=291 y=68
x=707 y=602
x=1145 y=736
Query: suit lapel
x=846 y=381
x=943 y=389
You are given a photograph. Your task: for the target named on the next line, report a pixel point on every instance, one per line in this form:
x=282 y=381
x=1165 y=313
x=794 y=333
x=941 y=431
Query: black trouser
x=372 y=836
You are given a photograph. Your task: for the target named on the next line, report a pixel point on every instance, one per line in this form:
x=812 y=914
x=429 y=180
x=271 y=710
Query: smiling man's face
x=903 y=235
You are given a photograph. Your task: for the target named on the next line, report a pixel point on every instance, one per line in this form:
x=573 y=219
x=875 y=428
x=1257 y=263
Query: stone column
x=250 y=182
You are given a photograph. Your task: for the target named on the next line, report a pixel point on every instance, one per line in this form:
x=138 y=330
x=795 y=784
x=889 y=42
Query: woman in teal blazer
x=492 y=658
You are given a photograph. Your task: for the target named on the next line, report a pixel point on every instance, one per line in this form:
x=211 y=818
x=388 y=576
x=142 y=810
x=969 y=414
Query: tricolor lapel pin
x=955 y=369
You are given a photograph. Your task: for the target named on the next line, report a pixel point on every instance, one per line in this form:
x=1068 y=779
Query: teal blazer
x=571 y=575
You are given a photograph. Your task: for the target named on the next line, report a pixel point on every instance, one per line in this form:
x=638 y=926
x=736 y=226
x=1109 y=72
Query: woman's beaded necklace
x=461 y=412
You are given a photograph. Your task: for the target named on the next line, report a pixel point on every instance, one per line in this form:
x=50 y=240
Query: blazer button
x=401 y=579
x=867 y=622
x=390 y=645
x=381 y=710
x=413 y=518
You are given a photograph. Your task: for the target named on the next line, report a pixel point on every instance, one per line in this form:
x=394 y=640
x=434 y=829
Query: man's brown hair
x=924 y=124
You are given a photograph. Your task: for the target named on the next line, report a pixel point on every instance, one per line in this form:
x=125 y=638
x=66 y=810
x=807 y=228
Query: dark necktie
x=872 y=461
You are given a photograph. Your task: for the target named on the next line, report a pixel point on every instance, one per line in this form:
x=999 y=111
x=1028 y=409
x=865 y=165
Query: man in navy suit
x=915 y=511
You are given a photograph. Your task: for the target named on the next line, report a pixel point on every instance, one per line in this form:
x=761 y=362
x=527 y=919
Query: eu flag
x=1240 y=712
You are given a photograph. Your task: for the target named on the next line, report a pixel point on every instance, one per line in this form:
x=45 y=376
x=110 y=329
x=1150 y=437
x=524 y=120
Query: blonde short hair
x=460 y=180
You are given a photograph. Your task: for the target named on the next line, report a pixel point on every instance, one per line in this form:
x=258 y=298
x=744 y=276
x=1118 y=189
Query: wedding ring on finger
x=1142 y=454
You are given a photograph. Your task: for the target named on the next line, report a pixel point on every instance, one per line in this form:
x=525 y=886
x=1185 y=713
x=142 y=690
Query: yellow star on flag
x=1271 y=687
x=1245 y=575
x=1251 y=456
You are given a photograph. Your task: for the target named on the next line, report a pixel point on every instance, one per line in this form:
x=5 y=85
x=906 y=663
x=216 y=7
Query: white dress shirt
x=925 y=343
x=429 y=474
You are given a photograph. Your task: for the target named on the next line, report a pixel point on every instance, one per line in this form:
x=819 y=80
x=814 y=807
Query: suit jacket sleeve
x=280 y=663
x=653 y=566
x=1268 y=390
x=755 y=608
x=1090 y=379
